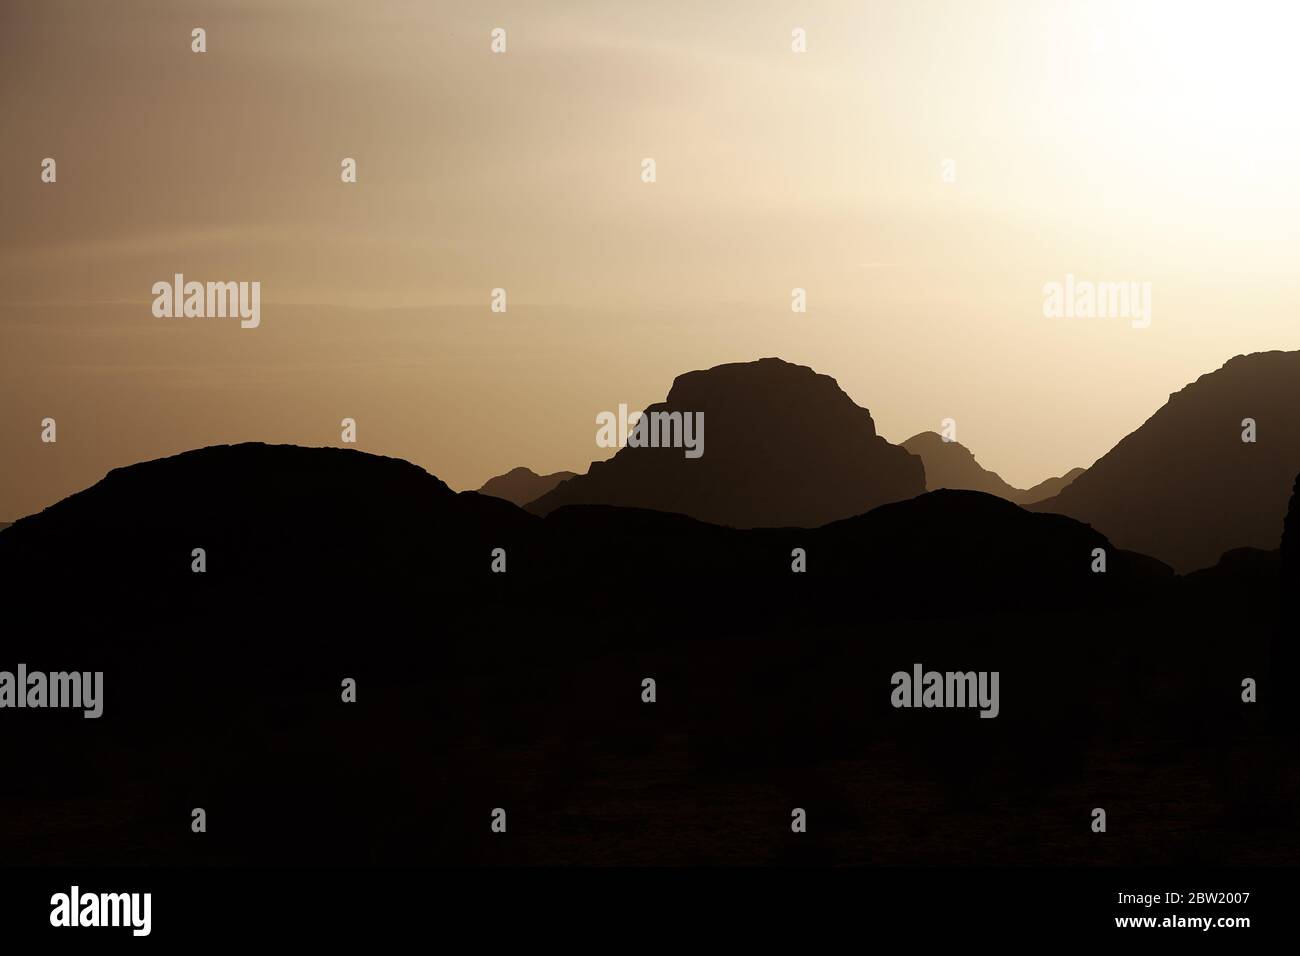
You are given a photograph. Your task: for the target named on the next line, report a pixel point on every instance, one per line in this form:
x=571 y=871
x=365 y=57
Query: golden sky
x=1114 y=141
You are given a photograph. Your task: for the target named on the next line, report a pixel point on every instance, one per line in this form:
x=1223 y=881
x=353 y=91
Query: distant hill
x=1184 y=487
x=522 y=485
x=1049 y=487
x=784 y=446
x=949 y=464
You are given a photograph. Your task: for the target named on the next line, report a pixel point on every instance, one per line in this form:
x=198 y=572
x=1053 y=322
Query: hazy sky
x=1124 y=141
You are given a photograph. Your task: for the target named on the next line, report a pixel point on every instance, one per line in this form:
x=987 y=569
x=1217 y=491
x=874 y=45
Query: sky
x=923 y=170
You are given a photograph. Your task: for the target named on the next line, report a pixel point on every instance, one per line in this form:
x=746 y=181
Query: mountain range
x=784 y=446
x=500 y=658
x=522 y=485
x=949 y=464
x=500 y=654
x=1185 y=487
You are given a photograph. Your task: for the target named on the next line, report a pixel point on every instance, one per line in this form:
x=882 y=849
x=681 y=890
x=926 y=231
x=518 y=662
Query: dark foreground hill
x=783 y=446
x=263 y=511
x=1185 y=487
x=1286 y=650
x=525 y=689
x=949 y=464
x=1291 y=537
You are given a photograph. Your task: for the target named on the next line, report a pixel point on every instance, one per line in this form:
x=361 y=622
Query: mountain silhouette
x=523 y=688
x=1185 y=487
x=1048 y=487
x=949 y=464
x=292 y=511
x=259 y=509
x=522 y=485
x=784 y=446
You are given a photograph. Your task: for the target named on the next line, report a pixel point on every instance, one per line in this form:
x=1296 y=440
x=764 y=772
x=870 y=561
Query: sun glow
x=1195 y=101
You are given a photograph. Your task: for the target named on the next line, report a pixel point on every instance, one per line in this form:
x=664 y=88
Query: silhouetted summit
x=783 y=446
x=980 y=550
x=1185 y=487
x=949 y=464
x=259 y=508
x=522 y=485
